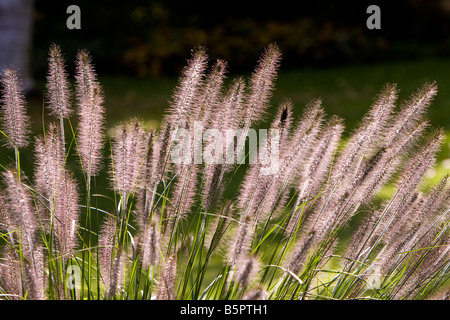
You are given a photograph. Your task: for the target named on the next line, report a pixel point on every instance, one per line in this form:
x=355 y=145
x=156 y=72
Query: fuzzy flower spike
x=91 y=114
x=15 y=121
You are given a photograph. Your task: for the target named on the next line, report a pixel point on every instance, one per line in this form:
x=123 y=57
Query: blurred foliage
x=153 y=38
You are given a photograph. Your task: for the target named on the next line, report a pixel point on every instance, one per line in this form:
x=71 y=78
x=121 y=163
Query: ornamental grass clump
x=207 y=207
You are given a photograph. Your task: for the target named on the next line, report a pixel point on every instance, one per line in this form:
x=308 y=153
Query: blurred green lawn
x=345 y=91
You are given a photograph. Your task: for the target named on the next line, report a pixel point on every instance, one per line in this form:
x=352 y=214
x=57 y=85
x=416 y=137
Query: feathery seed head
x=422 y=160
x=34 y=289
x=107 y=248
x=185 y=190
x=241 y=240
x=303 y=138
x=50 y=159
x=19 y=204
x=5 y=219
x=10 y=273
x=283 y=120
x=152 y=160
x=166 y=289
x=14 y=117
x=85 y=76
x=411 y=113
x=151 y=244
x=209 y=96
x=58 y=93
x=257 y=294
x=90 y=113
x=297 y=257
x=319 y=161
x=310 y=122
x=116 y=274
x=67 y=212
x=231 y=113
x=23 y=217
x=262 y=83
x=129 y=149
x=247 y=271
x=185 y=94
x=366 y=137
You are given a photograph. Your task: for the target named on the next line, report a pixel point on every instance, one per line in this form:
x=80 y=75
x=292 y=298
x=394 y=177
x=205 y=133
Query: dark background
x=154 y=38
